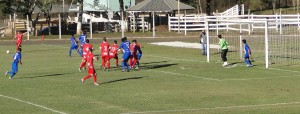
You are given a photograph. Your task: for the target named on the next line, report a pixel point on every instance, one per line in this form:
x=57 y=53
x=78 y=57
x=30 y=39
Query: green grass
x=171 y=81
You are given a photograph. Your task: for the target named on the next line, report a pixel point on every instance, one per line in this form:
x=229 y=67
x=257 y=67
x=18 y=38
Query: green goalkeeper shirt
x=223 y=44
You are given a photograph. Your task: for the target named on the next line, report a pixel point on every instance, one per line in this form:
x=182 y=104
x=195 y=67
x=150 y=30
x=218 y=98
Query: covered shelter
x=158 y=6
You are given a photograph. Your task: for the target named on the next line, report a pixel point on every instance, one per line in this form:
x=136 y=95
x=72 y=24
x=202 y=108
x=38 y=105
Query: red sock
x=130 y=62
x=108 y=64
x=95 y=78
x=134 y=62
x=117 y=62
x=86 y=77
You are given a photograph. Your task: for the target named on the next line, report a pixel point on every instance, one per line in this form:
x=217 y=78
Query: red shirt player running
x=86 y=50
x=113 y=53
x=91 y=69
x=19 y=38
x=104 y=47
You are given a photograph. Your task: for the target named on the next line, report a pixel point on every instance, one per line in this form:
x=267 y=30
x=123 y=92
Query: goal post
x=269 y=47
x=234 y=31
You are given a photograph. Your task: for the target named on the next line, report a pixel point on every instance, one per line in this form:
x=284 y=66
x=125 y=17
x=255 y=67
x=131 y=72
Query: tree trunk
x=34 y=24
x=208 y=7
x=200 y=6
x=79 y=23
x=274 y=6
x=49 y=22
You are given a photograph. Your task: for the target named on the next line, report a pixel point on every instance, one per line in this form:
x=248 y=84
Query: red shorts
x=18 y=43
x=105 y=57
x=91 y=71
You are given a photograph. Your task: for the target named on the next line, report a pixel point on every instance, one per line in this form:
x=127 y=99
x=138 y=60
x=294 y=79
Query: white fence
x=197 y=23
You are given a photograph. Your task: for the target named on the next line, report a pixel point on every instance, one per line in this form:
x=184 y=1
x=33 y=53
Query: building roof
x=159 y=6
x=101 y=5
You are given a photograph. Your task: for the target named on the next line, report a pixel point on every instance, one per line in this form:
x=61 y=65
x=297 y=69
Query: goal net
x=271 y=45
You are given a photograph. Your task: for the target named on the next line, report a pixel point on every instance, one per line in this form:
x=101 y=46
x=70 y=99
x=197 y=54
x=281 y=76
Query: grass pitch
x=171 y=81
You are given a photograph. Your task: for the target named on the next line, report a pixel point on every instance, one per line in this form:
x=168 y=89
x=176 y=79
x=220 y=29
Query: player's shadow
x=124 y=79
x=157 y=66
x=155 y=62
x=41 y=50
x=46 y=75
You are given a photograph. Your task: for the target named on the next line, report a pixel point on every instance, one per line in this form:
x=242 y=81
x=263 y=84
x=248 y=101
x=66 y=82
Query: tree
x=6 y=7
x=46 y=7
x=25 y=7
x=79 y=23
x=208 y=7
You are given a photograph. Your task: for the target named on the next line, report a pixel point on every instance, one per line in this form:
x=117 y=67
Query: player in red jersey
x=113 y=53
x=19 y=38
x=91 y=69
x=104 y=47
x=86 y=49
x=131 y=47
x=135 y=49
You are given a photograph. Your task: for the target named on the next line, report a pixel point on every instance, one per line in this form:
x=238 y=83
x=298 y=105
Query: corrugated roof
x=159 y=6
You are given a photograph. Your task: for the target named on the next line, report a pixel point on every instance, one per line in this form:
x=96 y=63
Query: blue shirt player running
x=16 y=60
x=126 y=54
x=247 y=53
x=82 y=39
x=74 y=46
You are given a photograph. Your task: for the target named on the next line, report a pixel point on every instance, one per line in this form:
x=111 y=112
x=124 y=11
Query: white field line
x=214 y=79
x=40 y=106
x=215 y=108
x=174 y=58
x=219 y=62
x=173 y=73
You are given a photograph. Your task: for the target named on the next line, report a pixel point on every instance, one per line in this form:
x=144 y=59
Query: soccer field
x=172 y=80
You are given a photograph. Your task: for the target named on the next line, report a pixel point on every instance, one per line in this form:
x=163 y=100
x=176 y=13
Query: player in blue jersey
x=16 y=60
x=82 y=39
x=126 y=54
x=74 y=46
x=247 y=53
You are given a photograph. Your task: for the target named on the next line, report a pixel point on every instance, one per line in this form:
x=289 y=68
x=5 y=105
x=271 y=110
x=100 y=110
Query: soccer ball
x=7 y=51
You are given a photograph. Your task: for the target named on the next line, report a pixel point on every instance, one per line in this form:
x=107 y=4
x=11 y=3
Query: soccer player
x=91 y=69
x=126 y=54
x=104 y=47
x=82 y=39
x=86 y=50
x=113 y=53
x=19 y=38
x=139 y=55
x=16 y=60
x=224 y=47
x=135 y=49
x=247 y=53
x=74 y=46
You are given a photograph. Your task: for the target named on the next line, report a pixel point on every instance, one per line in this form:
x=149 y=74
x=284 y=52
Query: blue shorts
x=126 y=56
x=14 y=67
x=139 y=56
x=74 y=47
x=246 y=56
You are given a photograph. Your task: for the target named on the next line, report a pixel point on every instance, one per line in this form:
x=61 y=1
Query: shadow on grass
x=157 y=66
x=155 y=62
x=45 y=50
x=124 y=79
x=46 y=75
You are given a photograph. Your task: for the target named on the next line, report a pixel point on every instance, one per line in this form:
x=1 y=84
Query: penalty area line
x=222 y=80
x=33 y=104
x=215 y=108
